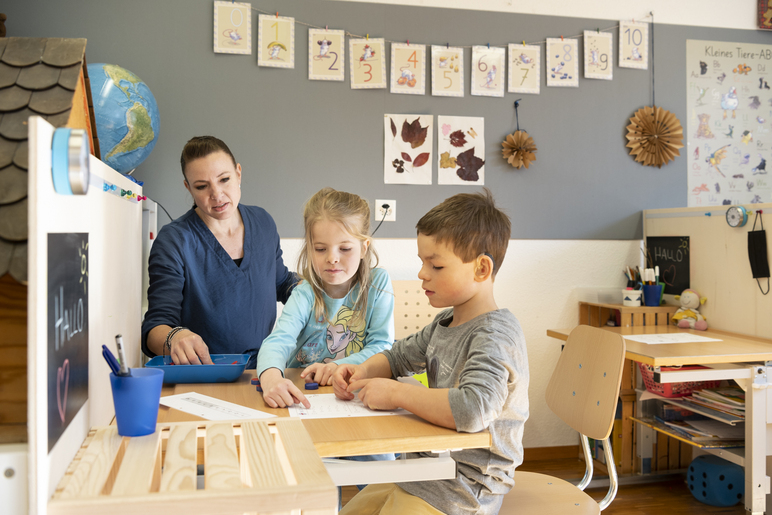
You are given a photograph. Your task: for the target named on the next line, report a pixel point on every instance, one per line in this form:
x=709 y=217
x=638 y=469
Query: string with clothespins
x=518 y=149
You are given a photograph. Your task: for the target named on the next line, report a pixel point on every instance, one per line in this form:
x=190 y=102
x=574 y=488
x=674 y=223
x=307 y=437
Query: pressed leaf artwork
x=461 y=150
x=406 y=151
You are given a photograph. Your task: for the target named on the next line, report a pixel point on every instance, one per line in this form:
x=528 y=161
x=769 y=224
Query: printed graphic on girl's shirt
x=341 y=337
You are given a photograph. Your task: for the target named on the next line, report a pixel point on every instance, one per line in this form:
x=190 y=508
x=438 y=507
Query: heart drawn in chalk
x=669 y=275
x=62 y=376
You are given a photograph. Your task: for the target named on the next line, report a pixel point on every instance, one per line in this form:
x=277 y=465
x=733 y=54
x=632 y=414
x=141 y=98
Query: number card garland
x=368 y=63
x=447 y=71
x=562 y=62
x=275 y=41
x=633 y=45
x=524 y=68
x=488 y=71
x=408 y=69
x=598 y=55
x=326 y=54
x=232 y=28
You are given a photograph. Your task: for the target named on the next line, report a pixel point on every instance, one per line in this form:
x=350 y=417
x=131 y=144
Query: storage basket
x=673 y=389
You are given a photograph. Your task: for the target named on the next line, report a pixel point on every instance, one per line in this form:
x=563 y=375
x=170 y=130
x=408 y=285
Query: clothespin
x=447 y=46
x=561 y=37
x=325 y=28
x=408 y=42
x=368 y=37
x=523 y=42
x=598 y=29
x=489 y=46
x=277 y=15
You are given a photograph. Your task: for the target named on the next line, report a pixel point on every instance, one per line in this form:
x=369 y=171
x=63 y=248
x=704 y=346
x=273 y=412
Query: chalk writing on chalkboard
x=67 y=330
x=671 y=255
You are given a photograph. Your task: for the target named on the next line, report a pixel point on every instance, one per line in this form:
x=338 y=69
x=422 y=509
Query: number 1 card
x=447 y=71
x=488 y=71
x=368 y=63
x=598 y=53
x=408 y=69
x=562 y=62
x=524 y=68
x=275 y=41
x=326 y=49
x=633 y=45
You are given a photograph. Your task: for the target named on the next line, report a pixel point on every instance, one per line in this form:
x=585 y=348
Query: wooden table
x=745 y=359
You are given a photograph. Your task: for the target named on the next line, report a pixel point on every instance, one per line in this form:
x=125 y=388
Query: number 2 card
x=598 y=52
x=326 y=49
x=447 y=71
x=562 y=62
x=408 y=69
x=488 y=71
x=633 y=45
x=524 y=68
x=368 y=63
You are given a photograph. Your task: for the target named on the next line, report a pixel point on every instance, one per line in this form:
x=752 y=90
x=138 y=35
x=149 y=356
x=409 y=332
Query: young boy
x=476 y=363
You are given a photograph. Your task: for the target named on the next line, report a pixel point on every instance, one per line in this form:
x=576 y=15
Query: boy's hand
x=378 y=393
x=279 y=392
x=343 y=376
x=320 y=373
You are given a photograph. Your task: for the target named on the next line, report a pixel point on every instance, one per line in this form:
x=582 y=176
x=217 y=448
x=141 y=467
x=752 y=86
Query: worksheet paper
x=210 y=408
x=655 y=339
x=326 y=405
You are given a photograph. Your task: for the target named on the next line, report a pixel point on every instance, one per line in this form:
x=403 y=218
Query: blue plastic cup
x=136 y=399
x=652 y=293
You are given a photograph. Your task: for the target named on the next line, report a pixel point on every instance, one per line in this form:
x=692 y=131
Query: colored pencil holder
x=631 y=298
x=652 y=293
x=136 y=398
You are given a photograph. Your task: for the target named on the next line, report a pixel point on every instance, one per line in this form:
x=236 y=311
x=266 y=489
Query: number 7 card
x=524 y=68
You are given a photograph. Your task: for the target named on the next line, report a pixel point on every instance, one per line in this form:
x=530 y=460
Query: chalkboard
x=671 y=255
x=67 y=330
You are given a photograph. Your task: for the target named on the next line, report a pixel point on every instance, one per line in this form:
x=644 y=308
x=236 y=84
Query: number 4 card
x=633 y=45
x=408 y=69
x=488 y=71
x=562 y=62
x=447 y=71
x=598 y=52
x=276 y=41
x=368 y=63
x=524 y=68
x=326 y=50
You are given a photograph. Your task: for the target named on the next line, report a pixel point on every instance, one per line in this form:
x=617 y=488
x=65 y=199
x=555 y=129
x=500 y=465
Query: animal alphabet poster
x=275 y=41
x=232 y=28
x=729 y=124
x=461 y=149
x=598 y=55
x=563 y=62
x=408 y=69
x=633 y=45
x=488 y=71
x=67 y=370
x=368 y=63
x=447 y=71
x=326 y=54
x=524 y=68
x=407 y=156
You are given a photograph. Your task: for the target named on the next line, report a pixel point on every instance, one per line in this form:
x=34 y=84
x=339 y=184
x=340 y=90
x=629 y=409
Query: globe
x=126 y=114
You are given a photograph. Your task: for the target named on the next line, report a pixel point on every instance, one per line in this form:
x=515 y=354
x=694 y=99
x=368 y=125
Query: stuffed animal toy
x=688 y=316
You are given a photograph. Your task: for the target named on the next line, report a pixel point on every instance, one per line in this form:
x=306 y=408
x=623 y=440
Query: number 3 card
x=276 y=41
x=633 y=45
x=447 y=71
x=562 y=62
x=408 y=69
x=524 y=68
x=598 y=50
x=326 y=54
x=488 y=71
x=368 y=63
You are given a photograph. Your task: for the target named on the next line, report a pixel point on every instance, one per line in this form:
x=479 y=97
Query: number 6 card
x=326 y=54
x=598 y=51
x=447 y=71
x=488 y=71
x=562 y=62
x=368 y=63
x=524 y=68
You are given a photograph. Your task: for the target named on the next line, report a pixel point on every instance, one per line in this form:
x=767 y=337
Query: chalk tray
x=226 y=368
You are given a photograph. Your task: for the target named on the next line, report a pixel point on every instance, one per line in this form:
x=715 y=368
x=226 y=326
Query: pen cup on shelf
x=652 y=294
x=631 y=297
x=136 y=399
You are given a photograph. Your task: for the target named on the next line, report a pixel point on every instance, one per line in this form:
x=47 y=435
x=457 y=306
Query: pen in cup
x=111 y=361
x=121 y=356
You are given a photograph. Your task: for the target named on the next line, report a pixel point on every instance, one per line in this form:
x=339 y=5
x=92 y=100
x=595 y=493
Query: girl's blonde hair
x=353 y=214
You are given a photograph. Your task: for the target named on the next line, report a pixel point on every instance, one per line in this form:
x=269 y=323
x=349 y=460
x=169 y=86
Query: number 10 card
x=326 y=51
x=633 y=45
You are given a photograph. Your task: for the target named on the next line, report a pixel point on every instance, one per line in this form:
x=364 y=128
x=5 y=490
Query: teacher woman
x=217 y=271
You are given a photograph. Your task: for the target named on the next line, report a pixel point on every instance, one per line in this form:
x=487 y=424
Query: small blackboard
x=67 y=330
x=671 y=255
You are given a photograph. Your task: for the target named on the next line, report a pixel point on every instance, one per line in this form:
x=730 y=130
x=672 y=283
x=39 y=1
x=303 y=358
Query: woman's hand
x=188 y=348
x=279 y=392
x=320 y=373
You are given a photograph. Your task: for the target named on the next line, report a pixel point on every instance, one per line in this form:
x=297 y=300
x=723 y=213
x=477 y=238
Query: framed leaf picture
x=524 y=68
x=598 y=53
x=408 y=69
x=488 y=64
x=461 y=149
x=275 y=41
x=562 y=62
x=326 y=54
x=447 y=71
x=232 y=28
x=368 y=63
x=633 y=45
x=407 y=156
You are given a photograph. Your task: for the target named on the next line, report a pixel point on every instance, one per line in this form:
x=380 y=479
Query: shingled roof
x=38 y=76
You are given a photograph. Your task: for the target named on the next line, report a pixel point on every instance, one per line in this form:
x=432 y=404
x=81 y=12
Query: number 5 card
x=368 y=63
x=408 y=69
x=326 y=50
x=447 y=71
x=524 y=68
x=633 y=45
x=562 y=62
x=598 y=52
x=276 y=41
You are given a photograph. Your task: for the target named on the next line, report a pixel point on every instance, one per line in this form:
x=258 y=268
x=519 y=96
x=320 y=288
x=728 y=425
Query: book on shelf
x=729 y=395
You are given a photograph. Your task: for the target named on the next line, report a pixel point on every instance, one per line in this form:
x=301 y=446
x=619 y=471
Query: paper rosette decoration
x=519 y=149
x=654 y=136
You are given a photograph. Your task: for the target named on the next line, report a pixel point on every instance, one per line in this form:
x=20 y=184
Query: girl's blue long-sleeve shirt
x=299 y=340
x=194 y=283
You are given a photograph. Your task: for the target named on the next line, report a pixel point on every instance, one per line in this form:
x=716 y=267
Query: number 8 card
x=368 y=63
x=326 y=54
x=447 y=71
x=562 y=62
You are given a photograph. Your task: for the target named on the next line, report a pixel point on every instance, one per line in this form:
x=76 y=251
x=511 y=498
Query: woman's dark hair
x=202 y=146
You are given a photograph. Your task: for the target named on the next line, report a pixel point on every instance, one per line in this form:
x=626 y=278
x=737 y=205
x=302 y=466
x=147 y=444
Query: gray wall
x=294 y=136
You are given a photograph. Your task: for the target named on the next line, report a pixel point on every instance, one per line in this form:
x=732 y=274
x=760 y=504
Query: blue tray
x=226 y=368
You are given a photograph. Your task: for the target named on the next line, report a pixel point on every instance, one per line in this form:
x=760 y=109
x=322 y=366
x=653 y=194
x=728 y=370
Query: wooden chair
x=583 y=391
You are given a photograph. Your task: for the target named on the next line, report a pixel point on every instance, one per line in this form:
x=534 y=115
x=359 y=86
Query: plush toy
x=688 y=315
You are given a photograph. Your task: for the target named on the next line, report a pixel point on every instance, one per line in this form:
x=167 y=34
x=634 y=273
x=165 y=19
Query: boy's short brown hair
x=471 y=224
